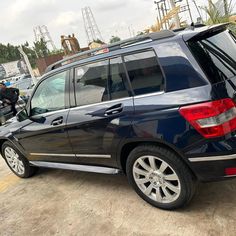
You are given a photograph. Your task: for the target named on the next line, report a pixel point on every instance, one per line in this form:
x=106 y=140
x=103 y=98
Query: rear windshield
x=216 y=55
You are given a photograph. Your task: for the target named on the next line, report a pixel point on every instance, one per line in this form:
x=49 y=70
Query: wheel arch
x=127 y=147
x=5 y=139
x=2 y=141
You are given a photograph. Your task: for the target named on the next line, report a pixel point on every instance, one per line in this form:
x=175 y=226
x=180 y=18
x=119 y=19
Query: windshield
x=216 y=55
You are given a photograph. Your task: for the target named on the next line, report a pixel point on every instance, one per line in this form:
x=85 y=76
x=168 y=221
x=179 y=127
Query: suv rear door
x=103 y=112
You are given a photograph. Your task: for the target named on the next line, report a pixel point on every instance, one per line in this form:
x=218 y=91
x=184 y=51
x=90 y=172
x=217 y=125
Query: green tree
x=215 y=16
x=9 y=53
x=41 y=49
x=114 y=39
x=140 y=33
x=98 y=41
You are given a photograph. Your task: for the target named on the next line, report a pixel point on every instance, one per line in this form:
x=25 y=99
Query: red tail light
x=230 y=171
x=211 y=119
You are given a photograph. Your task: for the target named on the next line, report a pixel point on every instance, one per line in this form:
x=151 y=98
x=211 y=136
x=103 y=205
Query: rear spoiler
x=204 y=32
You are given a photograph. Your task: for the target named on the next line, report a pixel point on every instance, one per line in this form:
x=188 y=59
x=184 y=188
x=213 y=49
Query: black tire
x=27 y=170
x=186 y=182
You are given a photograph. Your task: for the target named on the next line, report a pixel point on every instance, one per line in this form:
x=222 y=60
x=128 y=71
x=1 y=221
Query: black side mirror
x=22 y=115
x=38 y=119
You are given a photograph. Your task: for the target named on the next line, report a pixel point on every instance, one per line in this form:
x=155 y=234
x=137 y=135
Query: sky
x=114 y=17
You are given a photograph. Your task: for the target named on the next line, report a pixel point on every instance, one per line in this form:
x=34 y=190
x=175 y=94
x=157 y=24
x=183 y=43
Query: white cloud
x=19 y=17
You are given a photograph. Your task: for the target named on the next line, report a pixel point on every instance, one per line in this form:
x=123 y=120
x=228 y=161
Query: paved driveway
x=57 y=202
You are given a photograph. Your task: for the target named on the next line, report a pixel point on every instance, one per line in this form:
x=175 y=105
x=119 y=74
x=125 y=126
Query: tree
x=98 y=41
x=40 y=48
x=114 y=39
x=9 y=53
x=140 y=33
x=214 y=13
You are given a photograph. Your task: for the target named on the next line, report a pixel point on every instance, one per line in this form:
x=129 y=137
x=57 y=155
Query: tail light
x=211 y=119
x=230 y=171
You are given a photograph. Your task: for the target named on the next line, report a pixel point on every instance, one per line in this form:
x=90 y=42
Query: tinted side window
x=118 y=80
x=216 y=55
x=49 y=95
x=144 y=72
x=91 y=83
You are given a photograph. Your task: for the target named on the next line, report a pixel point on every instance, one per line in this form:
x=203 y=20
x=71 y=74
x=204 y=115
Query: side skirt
x=84 y=168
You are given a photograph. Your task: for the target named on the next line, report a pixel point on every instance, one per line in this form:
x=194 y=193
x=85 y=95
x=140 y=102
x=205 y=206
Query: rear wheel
x=18 y=164
x=160 y=177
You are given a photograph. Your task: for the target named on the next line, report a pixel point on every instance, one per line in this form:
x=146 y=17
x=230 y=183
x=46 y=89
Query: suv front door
x=104 y=111
x=44 y=136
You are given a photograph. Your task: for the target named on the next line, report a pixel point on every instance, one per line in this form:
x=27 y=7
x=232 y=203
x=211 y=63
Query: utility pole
x=189 y=10
x=166 y=12
x=198 y=10
x=226 y=8
x=163 y=13
x=159 y=17
x=176 y=17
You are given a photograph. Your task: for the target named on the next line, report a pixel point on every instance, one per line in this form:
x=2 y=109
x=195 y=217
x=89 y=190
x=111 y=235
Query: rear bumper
x=212 y=168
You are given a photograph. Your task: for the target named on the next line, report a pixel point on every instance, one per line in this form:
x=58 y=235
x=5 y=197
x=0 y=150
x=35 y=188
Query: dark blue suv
x=160 y=108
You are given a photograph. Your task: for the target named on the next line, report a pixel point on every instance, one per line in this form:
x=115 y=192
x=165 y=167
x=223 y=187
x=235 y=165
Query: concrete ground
x=57 y=202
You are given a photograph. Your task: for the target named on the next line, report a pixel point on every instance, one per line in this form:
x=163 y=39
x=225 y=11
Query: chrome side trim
x=71 y=155
x=213 y=158
x=93 y=155
x=117 y=100
x=101 y=103
x=228 y=176
x=149 y=94
x=52 y=154
x=84 y=168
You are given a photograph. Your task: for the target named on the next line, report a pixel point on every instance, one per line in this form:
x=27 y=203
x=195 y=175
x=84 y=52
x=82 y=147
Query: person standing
x=9 y=96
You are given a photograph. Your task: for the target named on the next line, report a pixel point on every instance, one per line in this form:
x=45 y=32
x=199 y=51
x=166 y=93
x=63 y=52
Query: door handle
x=118 y=108
x=57 y=121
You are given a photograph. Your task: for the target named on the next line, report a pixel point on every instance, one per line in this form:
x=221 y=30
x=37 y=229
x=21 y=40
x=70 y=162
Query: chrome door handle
x=118 y=108
x=57 y=121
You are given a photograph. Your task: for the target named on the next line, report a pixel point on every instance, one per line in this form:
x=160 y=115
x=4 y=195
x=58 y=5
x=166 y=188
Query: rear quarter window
x=144 y=72
x=216 y=55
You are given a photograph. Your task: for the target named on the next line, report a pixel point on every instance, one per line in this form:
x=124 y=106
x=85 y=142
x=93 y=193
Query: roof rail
x=198 y=25
x=112 y=47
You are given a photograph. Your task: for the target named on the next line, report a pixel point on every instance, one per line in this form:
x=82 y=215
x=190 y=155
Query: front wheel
x=18 y=164
x=160 y=177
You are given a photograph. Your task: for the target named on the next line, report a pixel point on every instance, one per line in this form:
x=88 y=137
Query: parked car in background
x=159 y=108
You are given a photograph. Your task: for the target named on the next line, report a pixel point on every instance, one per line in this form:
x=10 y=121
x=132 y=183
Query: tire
x=18 y=164
x=160 y=177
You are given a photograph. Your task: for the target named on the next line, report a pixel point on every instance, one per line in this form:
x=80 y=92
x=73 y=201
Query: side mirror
x=38 y=119
x=22 y=115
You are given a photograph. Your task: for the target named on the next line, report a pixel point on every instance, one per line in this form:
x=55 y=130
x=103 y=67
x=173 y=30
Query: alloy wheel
x=14 y=161
x=156 y=179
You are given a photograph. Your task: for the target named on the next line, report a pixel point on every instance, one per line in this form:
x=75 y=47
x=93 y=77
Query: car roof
x=186 y=34
x=164 y=34
x=194 y=32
